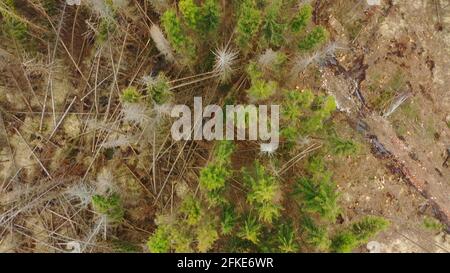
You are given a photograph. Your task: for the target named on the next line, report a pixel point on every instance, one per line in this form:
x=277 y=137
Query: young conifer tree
x=180 y=41
x=248 y=24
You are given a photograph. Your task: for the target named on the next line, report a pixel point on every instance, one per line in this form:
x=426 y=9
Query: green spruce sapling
x=316 y=37
x=302 y=19
x=287 y=238
x=249 y=21
x=251 y=229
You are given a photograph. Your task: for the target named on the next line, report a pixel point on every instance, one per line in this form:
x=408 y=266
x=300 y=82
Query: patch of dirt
x=415 y=53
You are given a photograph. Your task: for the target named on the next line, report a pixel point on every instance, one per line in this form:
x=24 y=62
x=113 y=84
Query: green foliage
x=203 y=19
x=318 y=192
x=111 y=206
x=432 y=224
x=316 y=167
x=315 y=236
x=214 y=176
x=302 y=19
x=159 y=89
x=50 y=6
x=216 y=197
x=191 y=13
x=305 y=113
x=287 y=239
x=105 y=28
x=159 y=242
x=191 y=209
x=260 y=89
x=296 y=103
x=181 y=239
x=319 y=197
x=249 y=21
x=358 y=233
x=223 y=152
x=229 y=219
x=268 y=212
x=263 y=191
x=272 y=29
x=316 y=37
x=263 y=187
x=15 y=28
x=206 y=236
x=368 y=227
x=177 y=232
x=344 y=242
x=130 y=95
x=182 y=43
x=210 y=16
x=322 y=109
x=12 y=24
x=344 y=147
x=10 y=3
x=251 y=229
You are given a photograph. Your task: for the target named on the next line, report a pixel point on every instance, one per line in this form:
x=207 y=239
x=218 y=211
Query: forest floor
x=410 y=45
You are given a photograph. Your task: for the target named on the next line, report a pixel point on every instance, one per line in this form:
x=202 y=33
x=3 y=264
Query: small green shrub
x=315 y=235
x=203 y=19
x=105 y=28
x=272 y=28
x=358 y=233
x=210 y=16
x=214 y=176
x=344 y=242
x=319 y=197
x=302 y=19
x=191 y=210
x=296 y=103
x=249 y=21
x=216 y=197
x=344 y=147
x=223 y=152
x=268 y=212
x=432 y=224
x=111 y=206
x=262 y=194
x=159 y=89
x=368 y=227
x=159 y=241
x=316 y=167
x=50 y=7
x=322 y=109
x=173 y=28
x=305 y=113
x=207 y=235
x=181 y=239
x=316 y=37
x=191 y=13
x=130 y=95
x=229 y=219
x=287 y=239
x=260 y=89
x=12 y=24
x=251 y=229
